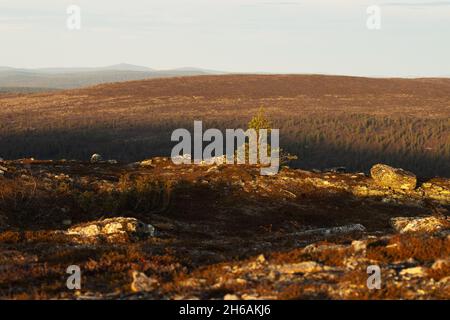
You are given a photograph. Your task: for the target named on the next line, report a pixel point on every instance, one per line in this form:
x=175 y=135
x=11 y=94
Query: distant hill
x=13 y=79
x=115 y=67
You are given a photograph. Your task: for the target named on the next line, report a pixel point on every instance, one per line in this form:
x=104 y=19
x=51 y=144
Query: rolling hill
x=327 y=121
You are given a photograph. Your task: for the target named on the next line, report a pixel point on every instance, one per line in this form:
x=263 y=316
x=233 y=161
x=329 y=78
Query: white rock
x=95 y=158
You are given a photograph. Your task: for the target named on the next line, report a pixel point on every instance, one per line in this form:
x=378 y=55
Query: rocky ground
x=154 y=230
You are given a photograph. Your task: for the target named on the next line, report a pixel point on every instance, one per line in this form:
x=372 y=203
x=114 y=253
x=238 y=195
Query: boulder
x=394 y=178
x=419 y=224
x=110 y=228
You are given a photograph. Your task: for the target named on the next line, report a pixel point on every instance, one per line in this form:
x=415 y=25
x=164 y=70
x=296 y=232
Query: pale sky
x=286 y=36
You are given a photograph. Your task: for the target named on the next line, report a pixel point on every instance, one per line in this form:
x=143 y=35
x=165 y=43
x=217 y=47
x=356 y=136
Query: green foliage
x=259 y=121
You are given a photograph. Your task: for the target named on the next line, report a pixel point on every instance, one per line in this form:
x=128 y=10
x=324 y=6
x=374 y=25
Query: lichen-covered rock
x=113 y=227
x=420 y=224
x=394 y=178
x=438 y=189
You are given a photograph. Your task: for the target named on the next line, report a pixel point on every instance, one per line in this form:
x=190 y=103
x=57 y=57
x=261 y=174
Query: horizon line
x=224 y=72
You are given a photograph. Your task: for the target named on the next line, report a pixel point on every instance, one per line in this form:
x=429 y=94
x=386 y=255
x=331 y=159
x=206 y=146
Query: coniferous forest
x=327 y=121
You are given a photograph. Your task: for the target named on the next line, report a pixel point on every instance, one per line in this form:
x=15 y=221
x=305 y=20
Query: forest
x=326 y=121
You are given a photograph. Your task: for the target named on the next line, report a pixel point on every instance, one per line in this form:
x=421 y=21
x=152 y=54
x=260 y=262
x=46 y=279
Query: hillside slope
x=217 y=232
x=327 y=121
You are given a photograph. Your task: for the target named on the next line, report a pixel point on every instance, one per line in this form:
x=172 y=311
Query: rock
x=113 y=226
x=212 y=169
x=261 y=258
x=359 y=245
x=331 y=231
x=230 y=297
x=95 y=158
x=316 y=248
x=438 y=189
x=413 y=272
x=419 y=224
x=441 y=264
x=142 y=283
x=302 y=267
x=445 y=282
x=217 y=160
x=337 y=170
x=192 y=283
x=146 y=163
x=394 y=178
x=186 y=158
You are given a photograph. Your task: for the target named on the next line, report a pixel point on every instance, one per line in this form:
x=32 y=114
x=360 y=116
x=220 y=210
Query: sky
x=285 y=36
